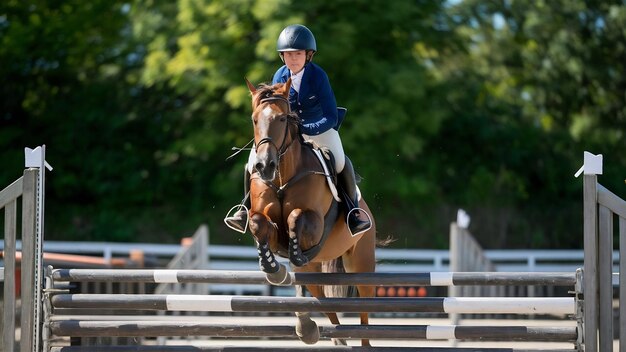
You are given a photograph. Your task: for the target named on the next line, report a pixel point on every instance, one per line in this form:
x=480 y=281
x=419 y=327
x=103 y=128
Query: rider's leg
x=330 y=139
x=357 y=222
x=238 y=220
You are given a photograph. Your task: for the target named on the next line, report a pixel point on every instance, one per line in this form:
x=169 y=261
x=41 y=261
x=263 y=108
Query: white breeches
x=329 y=139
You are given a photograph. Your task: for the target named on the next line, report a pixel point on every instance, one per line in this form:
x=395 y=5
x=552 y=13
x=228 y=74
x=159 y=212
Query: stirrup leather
x=234 y=210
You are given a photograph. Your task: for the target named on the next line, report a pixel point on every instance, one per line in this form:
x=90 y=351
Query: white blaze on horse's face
x=267 y=150
x=267 y=112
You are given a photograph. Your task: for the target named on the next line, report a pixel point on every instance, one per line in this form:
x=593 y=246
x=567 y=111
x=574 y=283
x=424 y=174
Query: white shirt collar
x=296 y=80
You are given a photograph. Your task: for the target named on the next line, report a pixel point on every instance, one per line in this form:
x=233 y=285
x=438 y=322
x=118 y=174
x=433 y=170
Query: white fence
x=390 y=260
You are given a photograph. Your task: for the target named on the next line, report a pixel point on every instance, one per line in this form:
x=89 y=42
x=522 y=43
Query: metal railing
x=403 y=260
x=23 y=222
x=603 y=210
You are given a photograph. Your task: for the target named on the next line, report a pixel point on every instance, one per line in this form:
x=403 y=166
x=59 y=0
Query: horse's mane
x=267 y=90
x=264 y=91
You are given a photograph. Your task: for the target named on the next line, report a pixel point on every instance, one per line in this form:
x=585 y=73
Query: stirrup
x=366 y=214
x=233 y=211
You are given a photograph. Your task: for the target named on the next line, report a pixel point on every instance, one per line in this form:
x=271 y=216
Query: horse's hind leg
x=318 y=291
x=333 y=291
x=306 y=328
x=361 y=259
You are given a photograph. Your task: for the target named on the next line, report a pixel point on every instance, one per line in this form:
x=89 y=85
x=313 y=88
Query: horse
x=293 y=212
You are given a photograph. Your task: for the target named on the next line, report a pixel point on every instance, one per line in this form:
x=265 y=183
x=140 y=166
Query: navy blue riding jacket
x=315 y=103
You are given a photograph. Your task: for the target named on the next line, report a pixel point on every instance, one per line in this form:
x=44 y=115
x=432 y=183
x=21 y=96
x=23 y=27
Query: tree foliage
x=474 y=104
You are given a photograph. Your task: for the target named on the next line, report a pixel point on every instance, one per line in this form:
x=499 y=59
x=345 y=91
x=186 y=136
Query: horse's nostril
x=258 y=166
x=272 y=164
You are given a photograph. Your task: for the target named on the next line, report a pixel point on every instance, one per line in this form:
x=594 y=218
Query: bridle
x=268 y=139
x=283 y=148
x=280 y=190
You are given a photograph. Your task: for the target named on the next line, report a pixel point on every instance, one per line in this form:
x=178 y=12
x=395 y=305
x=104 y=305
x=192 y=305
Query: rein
x=266 y=139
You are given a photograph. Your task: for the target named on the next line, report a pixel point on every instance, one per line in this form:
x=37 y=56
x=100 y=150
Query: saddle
x=327 y=161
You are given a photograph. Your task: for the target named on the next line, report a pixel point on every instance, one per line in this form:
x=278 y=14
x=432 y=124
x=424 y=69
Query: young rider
x=312 y=98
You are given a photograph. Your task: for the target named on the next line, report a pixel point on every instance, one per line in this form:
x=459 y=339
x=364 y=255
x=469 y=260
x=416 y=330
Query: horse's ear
x=250 y=86
x=286 y=88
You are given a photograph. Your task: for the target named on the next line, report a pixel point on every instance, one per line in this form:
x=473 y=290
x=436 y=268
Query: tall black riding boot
x=357 y=222
x=238 y=220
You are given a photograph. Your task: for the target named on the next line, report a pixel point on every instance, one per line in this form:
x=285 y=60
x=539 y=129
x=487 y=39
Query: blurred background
x=481 y=105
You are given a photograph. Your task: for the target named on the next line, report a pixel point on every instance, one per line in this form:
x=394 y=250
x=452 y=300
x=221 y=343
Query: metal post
x=29 y=301
x=592 y=167
x=455 y=266
x=605 y=276
x=32 y=247
x=622 y=284
x=590 y=274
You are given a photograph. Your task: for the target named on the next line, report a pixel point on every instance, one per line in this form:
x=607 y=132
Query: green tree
x=63 y=67
x=206 y=48
x=481 y=105
x=535 y=84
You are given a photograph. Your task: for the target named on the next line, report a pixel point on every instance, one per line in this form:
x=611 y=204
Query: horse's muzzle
x=266 y=162
x=266 y=169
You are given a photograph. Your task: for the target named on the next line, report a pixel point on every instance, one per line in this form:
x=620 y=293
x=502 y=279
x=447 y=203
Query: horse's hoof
x=280 y=277
x=270 y=268
x=307 y=331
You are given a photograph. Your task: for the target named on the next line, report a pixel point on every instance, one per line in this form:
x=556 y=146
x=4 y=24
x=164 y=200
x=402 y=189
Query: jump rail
x=141 y=328
x=107 y=328
x=287 y=349
x=257 y=277
x=224 y=303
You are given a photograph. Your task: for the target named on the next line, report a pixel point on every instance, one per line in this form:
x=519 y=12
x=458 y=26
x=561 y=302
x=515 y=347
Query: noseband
x=282 y=149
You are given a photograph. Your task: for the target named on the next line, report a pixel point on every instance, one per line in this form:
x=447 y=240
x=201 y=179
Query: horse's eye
x=283 y=119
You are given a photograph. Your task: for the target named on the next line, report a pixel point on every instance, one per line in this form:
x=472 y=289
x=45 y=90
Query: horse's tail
x=336 y=266
x=384 y=242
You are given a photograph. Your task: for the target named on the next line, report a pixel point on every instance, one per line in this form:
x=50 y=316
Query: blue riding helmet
x=296 y=37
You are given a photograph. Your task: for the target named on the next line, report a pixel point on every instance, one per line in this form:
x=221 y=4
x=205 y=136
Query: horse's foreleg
x=306 y=328
x=262 y=229
x=305 y=229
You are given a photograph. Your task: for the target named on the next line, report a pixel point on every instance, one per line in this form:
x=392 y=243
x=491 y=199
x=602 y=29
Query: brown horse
x=293 y=212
